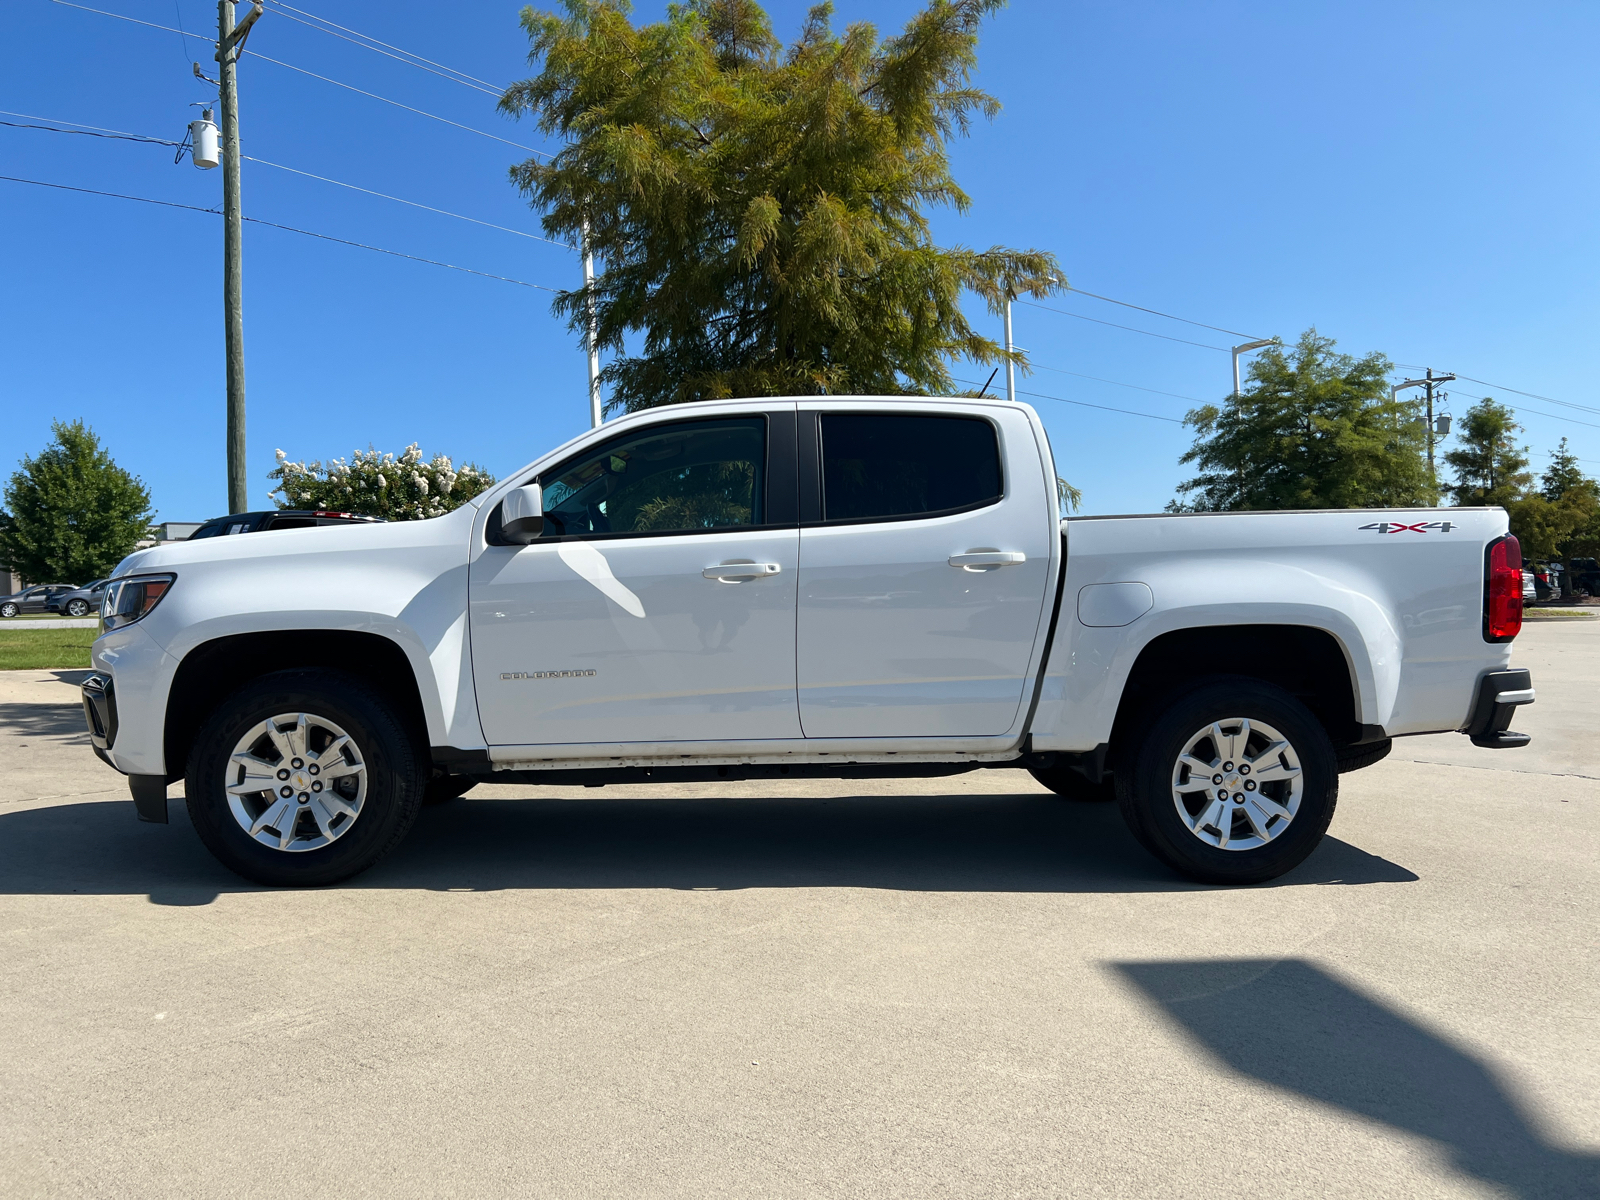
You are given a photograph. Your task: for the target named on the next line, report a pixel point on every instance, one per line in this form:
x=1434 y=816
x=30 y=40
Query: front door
x=922 y=585
x=659 y=604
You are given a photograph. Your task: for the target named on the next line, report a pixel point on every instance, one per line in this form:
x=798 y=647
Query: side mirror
x=522 y=515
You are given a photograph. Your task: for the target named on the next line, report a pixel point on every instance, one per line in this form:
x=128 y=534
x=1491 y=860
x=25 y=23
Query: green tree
x=1562 y=519
x=407 y=488
x=760 y=211
x=71 y=514
x=1312 y=429
x=1490 y=467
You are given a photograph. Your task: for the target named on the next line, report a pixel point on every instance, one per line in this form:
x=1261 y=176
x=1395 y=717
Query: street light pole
x=1011 y=374
x=595 y=415
x=1245 y=349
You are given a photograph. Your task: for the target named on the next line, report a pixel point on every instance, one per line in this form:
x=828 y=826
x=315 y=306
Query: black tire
x=1145 y=781
x=441 y=789
x=394 y=777
x=1353 y=758
x=77 y=608
x=1073 y=785
x=8 y=610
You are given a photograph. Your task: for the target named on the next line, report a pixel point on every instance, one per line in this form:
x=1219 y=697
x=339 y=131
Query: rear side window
x=291 y=523
x=877 y=466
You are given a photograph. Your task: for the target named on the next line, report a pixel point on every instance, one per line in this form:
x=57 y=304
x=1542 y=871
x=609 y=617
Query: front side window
x=690 y=477
x=878 y=466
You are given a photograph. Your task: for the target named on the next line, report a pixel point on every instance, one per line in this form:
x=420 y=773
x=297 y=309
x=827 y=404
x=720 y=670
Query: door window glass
x=881 y=465
x=685 y=478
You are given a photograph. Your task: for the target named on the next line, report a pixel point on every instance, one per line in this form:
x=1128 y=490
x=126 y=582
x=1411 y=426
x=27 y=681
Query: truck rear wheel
x=1233 y=782
x=303 y=778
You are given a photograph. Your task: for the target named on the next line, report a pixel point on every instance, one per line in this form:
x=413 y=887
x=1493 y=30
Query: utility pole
x=230 y=38
x=595 y=415
x=1429 y=382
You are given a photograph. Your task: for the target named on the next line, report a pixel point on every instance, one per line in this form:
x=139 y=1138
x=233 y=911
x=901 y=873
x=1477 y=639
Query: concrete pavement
x=950 y=987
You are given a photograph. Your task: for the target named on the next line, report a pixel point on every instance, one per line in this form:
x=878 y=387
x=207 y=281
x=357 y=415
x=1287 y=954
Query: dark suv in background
x=278 y=518
x=79 y=602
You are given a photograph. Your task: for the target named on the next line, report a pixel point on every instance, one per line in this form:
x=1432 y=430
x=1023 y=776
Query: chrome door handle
x=979 y=560
x=734 y=572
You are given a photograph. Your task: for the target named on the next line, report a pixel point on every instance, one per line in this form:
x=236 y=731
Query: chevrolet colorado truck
x=823 y=587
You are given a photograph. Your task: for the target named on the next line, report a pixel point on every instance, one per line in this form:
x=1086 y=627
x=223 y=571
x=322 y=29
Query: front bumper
x=1500 y=693
x=100 y=713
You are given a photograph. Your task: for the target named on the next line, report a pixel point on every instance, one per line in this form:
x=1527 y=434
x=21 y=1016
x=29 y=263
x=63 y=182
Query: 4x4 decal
x=1419 y=527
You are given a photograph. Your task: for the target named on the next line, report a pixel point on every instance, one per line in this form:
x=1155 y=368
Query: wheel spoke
x=275 y=815
x=259 y=775
x=1268 y=766
x=320 y=812
x=1260 y=811
x=1199 y=766
x=281 y=742
x=337 y=768
x=1194 y=783
x=1212 y=814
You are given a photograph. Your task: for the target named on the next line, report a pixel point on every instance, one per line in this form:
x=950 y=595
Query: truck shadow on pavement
x=44 y=720
x=990 y=843
x=1294 y=1027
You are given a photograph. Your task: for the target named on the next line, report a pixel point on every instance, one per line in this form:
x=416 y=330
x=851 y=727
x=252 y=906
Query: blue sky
x=1417 y=179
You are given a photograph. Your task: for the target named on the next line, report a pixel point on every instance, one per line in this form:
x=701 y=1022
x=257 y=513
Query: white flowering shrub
x=379 y=485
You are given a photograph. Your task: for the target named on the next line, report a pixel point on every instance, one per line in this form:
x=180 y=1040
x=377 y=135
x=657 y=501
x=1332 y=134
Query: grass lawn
x=44 y=649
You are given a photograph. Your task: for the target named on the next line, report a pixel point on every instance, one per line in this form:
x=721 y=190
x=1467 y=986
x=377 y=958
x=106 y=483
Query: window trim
x=811 y=446
x=773 y=439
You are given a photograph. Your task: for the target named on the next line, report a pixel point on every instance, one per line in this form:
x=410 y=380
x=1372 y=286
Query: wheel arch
x=1309 y=663
x=214 y=670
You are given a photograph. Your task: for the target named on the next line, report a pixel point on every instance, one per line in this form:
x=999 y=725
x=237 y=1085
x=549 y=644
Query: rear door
x=924 y=564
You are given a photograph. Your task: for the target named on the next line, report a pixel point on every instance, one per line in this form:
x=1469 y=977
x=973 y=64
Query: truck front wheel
x=303 y=778
x=1233 y=782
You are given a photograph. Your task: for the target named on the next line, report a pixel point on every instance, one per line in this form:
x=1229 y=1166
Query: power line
x=1084 y=404
x=136 y=137
x=409 y=108
x=1129 y=328
x=286 y=228
x=1502 y=388
x=473 y=79
x=1158 y=313
x=412 y=61
x=277 y=62
x=122 y=137
x=426 y=207
x=1116 y=383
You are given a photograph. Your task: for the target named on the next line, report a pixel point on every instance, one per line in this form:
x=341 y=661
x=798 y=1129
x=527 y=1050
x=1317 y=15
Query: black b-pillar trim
x=149 y=797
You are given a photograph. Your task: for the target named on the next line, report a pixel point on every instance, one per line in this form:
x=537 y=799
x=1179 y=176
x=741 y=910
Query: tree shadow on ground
x=1291 y=1025
x=31 y=719
x=948 y=843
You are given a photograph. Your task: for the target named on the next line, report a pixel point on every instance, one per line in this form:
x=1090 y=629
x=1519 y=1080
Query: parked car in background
x=79 y=602
x=1583 y=576
x=278 y=518
x=1546 y=581
x=36 y=599
x=1530 y=589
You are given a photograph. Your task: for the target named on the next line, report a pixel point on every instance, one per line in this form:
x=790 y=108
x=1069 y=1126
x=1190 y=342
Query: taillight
x=1502 y=590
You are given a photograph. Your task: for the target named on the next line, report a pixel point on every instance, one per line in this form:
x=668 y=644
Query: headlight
x=126 y=600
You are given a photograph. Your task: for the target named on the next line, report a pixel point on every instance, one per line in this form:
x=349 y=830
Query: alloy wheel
x=296 y=782
x=1237 y=784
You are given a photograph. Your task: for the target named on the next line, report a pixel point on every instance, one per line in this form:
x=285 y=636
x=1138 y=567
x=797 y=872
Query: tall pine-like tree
x=1490 y=467
x=1312 y=429
x=759 y=211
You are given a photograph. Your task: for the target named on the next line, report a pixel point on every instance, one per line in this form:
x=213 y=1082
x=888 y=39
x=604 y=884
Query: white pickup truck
x=835 y=587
